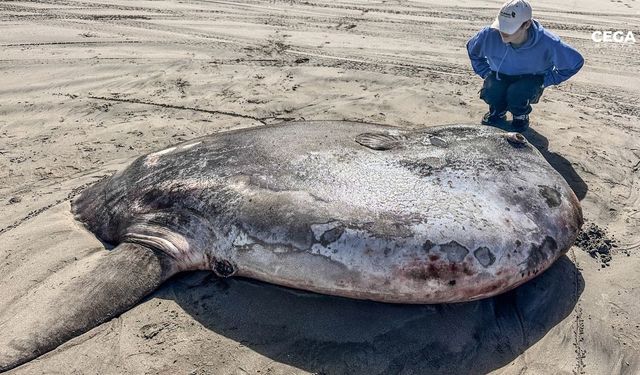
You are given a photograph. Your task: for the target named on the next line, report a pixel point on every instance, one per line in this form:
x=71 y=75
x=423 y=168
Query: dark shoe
x=520 y=123
x=493 y=119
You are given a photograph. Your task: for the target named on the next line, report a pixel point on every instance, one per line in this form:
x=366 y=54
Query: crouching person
x=518 y=58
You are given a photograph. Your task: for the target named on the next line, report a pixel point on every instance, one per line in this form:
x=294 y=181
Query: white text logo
x=613 y=36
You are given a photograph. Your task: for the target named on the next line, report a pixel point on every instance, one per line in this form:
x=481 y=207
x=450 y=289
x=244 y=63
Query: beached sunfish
x=441 y=214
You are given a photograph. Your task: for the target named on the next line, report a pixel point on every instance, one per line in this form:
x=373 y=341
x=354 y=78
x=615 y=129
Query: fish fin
x=72 y=301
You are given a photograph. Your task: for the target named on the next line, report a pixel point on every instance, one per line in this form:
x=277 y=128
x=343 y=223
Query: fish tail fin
x=78 y=298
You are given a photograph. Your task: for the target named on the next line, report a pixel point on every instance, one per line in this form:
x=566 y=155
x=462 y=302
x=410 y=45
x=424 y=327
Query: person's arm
x=566 y=62
x=478 y=59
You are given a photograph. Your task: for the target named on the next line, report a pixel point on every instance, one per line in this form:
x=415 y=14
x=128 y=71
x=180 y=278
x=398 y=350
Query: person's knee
x=525 y=91
x=492 y=83
x=493 y=90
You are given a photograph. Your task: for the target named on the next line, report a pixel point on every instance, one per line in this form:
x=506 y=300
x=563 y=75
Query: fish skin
x=439 y=214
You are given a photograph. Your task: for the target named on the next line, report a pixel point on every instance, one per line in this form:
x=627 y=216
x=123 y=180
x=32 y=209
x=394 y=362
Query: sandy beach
x=86 y=86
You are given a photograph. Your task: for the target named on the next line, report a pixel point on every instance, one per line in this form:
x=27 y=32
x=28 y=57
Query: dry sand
x=88 y=85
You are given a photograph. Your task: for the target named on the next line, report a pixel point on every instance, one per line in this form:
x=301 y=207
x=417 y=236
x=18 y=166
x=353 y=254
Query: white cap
x=512 y=15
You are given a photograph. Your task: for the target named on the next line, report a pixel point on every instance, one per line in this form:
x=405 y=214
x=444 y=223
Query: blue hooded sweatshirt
x=543 y=53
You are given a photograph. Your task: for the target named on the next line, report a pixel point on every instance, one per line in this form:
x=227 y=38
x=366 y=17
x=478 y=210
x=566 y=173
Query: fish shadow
x=558 y=162
x=334 y=335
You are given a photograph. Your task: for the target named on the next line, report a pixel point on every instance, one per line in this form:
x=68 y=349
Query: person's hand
x=487 y=75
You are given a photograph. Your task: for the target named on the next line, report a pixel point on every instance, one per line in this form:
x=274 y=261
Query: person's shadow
x=332 y=335
x=558 y=162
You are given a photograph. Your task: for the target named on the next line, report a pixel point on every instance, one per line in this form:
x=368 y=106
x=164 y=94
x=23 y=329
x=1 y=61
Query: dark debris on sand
x=594 y=240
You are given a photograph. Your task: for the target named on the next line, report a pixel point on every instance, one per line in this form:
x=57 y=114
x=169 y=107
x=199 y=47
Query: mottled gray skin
x=444 y=214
